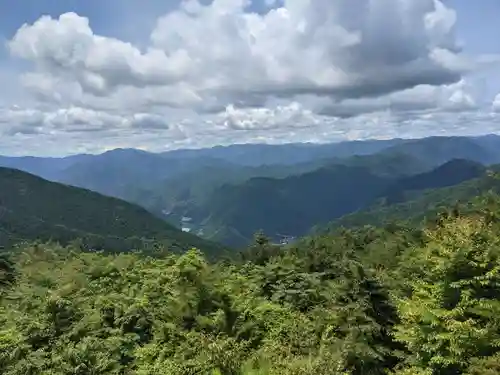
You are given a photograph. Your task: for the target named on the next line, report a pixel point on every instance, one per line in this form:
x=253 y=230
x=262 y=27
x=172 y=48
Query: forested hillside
x=227 y=193
x=32 y=209
x=293 y=205
x=290 y=201
x=451 y=173
x=288 y=205
x=370 y=301
x=413 y=208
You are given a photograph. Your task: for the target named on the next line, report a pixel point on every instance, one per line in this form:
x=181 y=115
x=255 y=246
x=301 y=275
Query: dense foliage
x=367 y=301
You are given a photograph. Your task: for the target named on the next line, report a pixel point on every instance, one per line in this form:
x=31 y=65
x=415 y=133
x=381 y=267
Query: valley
x=228 y=194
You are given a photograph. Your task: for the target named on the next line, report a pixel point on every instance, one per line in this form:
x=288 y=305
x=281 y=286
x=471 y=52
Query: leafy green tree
x=451 y=313
x=366 y=301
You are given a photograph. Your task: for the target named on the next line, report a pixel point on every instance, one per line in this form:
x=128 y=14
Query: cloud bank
x=224 y=72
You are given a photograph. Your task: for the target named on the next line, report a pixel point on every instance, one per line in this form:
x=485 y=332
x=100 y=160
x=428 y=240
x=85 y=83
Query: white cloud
x=322 y=47
x=73 y=119
x=289 y=116
x=216 y=73
x=455 y=98
x=68 y=46
x=496 y=103
x=201 y=131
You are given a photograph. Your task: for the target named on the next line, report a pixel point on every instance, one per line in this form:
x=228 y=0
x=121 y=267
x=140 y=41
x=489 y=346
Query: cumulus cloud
x=454 y=98
x=74 y=119
x=337 y=48
x=289 y=116
x=323 y=47
x=68 y=46
x=211 y=129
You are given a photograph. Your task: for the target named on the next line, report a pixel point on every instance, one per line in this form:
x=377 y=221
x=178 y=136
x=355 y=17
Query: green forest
x=29 y=212
x=389 y=300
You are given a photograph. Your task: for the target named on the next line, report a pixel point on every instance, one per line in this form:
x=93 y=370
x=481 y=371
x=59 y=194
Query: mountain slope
x=33 y=208
x=195 y=194
x=426 y=204
x=394 y=164
x=113 y=172
x=448 y=174
x=156 y=181
x=288 y=206
x=48 y=168
x=435 y=151
x=193 y=182
x=292 y=206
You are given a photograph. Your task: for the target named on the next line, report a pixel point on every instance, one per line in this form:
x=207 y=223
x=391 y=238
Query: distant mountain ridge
x=108 y=172
x=438 y=150
x=304 y=184
x=291 y=204
x=255 y=155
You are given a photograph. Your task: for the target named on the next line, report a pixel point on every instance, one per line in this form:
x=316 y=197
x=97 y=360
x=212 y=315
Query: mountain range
x=226 y=194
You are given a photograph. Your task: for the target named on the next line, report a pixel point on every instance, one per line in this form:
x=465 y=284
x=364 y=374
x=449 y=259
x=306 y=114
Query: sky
x=90 y=75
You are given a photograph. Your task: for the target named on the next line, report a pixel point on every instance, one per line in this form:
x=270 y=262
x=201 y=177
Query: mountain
x=194 y=187
x=433 y=151
x=228 y=201
x=414 y=209
x=193 y=193
x=32 y=208
x=183 y=194
x=205 y=186
x=250 y=155
x=448 y=174
x=161 y=181
x=155 y=180
x=293 y=205
x=394 y=164
x=255 y=155
x=158 y=181
x=48 y=168
x=133 y=175
x=114 y=172
x=288 y=206
x=489 y=142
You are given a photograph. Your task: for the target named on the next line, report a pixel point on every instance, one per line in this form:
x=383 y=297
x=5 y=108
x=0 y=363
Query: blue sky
x=152 y=75
x=477 y=24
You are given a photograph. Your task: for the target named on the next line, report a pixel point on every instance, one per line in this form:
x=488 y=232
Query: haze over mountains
x=226 y=194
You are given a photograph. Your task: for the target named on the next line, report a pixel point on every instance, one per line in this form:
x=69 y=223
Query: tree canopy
x=365 y=301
